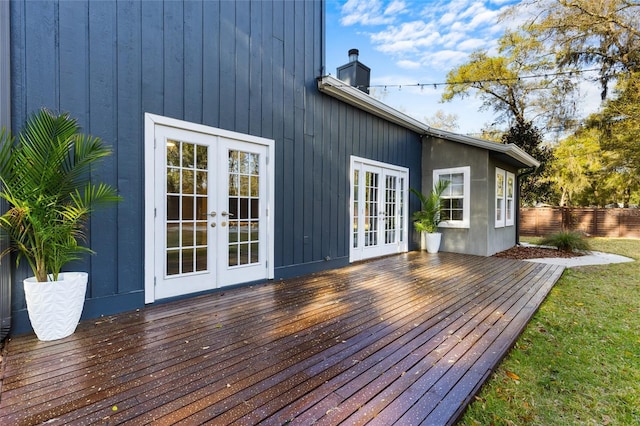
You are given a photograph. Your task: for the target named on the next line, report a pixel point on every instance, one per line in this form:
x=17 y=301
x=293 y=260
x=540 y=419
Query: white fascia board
x=519 y=154
x=356 y=97
x=343 y=91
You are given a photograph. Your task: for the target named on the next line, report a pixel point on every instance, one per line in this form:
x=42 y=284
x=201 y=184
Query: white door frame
x=381 y=248
x=151 y=121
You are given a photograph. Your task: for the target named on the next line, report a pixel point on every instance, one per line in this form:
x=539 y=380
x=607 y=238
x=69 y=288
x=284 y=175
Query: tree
x=505 y=83
x=618 y=125
x=537 y=186
x=443 y=121
x=586 y=33
x=577 y=168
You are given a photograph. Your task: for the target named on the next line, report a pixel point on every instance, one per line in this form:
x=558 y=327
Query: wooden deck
x=406 y=339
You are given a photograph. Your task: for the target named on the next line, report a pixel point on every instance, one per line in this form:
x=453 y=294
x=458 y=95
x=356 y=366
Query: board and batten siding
x=5 y=123
x=248 y=67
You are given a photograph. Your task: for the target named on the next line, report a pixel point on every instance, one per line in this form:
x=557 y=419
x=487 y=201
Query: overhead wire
x=387 y=86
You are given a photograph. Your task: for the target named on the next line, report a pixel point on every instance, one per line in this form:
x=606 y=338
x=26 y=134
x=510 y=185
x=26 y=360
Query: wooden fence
x=596 y=222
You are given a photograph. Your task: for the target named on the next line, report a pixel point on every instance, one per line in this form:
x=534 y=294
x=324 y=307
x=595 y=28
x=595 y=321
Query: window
x=505 y=202
x=511 y=206
x=500 y=198
x=455 y=200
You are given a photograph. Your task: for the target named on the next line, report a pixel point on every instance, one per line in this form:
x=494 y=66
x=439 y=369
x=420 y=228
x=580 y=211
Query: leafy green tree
x=443 y=121
x=600 y=163
x=577 y=168
x=505 y=83
x=585 y=33
x=618 y=125
x=536 y=187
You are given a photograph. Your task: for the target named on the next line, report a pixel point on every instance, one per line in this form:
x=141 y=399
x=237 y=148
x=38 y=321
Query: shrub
x=567 y=241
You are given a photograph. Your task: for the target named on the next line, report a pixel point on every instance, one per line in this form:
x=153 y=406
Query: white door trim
x=402 y=205
x=151 y=121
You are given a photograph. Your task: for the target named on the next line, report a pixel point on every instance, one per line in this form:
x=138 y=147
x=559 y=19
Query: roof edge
x=343 y=91
x=340 y=90
x=510 y=149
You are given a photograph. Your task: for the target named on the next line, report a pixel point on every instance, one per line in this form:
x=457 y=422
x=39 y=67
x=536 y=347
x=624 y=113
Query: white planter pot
x=433 y=242
x=55 y=306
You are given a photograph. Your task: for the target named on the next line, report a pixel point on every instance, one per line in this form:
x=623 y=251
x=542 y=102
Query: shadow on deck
x=406 y=339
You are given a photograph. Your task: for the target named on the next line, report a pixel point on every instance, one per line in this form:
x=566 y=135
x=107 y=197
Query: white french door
x=211 y=195
x=378 y=209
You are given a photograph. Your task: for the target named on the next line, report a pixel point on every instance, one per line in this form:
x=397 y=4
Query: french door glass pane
x=371 y=209
x=401 y=208
x=186 y=216
x=390 y=210
x=356 y=209
x=243 y=208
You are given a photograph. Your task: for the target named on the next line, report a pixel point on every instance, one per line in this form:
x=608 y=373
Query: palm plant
x=45 y=180
x=428 y=218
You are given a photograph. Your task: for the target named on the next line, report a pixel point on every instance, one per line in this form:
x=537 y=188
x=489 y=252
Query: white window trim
x=466 y=197
x=507 y=219
x=500 y=221
x=512 y=210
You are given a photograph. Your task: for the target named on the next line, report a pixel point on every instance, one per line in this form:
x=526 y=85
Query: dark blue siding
x=129 y=145
x=103 y=122
x=249 y=67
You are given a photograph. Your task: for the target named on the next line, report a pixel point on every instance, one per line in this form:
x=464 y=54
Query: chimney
x=353 y=55
x=355 y=73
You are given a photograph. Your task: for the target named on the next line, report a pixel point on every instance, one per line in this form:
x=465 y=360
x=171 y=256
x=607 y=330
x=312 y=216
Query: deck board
x=406 y=339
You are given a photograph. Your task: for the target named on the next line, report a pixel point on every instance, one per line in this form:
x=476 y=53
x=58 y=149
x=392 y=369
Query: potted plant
x=45 y=180
x=426 y=220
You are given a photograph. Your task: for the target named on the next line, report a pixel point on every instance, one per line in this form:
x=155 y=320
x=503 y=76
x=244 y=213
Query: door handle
x=223 y=214
x=212 y=214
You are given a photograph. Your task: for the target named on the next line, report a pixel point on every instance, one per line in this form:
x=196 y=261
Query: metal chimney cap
x=353 y=54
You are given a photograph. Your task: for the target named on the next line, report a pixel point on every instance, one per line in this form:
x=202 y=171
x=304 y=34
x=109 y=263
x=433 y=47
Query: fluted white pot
x=433 y=241
x=55 y=307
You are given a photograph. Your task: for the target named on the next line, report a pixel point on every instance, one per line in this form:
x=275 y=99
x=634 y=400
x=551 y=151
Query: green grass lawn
x=578 y=360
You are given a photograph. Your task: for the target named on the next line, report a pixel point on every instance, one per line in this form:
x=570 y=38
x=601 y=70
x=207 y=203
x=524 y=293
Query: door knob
x=212 y=214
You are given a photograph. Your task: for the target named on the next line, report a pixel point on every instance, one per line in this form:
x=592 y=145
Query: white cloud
x=420 y=41
x=410 y=37
x=445 y=25
x=452 y=39
x=472 y=44
x=445 y=58
x=447 y=18
x=472 y=10
x=406 y=64
x=371 y=12
x=486 y=17
x=395 y=7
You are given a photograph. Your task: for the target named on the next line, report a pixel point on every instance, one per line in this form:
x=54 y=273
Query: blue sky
x=415 y=41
